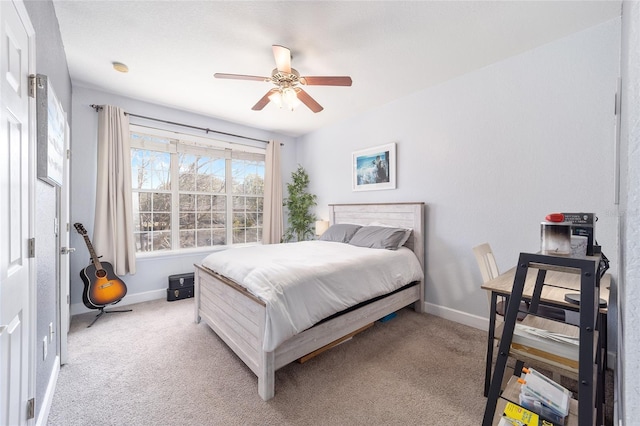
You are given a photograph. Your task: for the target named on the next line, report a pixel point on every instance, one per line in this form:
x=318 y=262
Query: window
x=191 y=192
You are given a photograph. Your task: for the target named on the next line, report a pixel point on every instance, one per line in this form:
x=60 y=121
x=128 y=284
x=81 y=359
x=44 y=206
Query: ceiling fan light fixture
x=287 y=97
x=290 y=98
x=294 y=105
x=276 y=98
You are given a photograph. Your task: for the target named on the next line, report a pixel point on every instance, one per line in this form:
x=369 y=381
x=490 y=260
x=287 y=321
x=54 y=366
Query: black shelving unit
x=591 y=350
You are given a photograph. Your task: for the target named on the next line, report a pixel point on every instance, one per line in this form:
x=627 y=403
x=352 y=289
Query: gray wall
x=50 y=61
x=628 y=388
x=491 y=153
x=150 y=280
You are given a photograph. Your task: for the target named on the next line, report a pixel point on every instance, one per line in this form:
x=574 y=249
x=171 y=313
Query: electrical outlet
x=44 y=349
x=50 y=332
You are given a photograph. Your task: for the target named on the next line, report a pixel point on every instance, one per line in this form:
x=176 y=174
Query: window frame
x=180 y=143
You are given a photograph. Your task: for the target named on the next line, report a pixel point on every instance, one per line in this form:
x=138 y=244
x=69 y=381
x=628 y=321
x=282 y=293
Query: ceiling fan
x=287 y=80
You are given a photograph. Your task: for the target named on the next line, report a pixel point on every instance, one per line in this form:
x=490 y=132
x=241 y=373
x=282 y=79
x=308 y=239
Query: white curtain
x=113 y=228
x=272 y=216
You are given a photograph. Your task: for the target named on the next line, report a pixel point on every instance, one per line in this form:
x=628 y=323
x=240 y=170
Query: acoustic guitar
x=101 y=285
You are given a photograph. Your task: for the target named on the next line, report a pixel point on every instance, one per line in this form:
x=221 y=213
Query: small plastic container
x=531 y=403
x=544 y=396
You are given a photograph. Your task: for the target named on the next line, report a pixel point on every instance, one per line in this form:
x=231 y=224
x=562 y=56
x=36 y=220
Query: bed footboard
x=238 y=318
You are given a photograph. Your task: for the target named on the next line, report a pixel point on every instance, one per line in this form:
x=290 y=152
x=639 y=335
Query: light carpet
x=156 y=366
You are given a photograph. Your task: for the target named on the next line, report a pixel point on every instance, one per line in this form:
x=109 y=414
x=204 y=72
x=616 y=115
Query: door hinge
x=68 y=154
x=32 y=247
x=31 y=408
x=32 y=86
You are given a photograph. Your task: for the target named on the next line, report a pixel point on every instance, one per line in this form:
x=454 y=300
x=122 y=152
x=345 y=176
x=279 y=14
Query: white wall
x=150 y=280
x=490 y=153
x=628 y=388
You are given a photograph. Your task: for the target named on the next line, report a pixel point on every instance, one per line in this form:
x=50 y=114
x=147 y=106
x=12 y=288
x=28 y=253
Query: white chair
x=489 y=270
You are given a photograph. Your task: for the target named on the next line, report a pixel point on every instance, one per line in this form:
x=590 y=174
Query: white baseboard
x=130 y=299
x=465 y=318
x=482 y=323
x=45 y=404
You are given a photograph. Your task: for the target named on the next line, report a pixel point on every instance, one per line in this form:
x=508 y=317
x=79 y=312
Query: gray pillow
x=380 y=237
x=340 y=232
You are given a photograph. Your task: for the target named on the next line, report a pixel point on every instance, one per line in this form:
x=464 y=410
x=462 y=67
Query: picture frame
x=51 y=133
x=374 y=168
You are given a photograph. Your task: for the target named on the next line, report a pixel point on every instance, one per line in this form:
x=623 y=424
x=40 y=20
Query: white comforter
x=305 y=282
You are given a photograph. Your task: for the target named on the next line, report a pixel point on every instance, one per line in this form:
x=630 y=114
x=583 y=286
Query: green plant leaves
x=299 y=204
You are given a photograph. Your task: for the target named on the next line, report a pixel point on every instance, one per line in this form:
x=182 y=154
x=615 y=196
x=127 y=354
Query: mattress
x=302 y=283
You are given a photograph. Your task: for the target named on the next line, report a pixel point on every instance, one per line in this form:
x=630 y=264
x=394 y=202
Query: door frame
x=64 y=251
x=33 y=171
x=33 y=167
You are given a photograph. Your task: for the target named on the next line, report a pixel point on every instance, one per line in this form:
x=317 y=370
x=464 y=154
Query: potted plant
x=299 y=204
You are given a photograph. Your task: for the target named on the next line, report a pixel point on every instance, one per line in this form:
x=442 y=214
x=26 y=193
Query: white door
x=16 y=223
x=65 y=227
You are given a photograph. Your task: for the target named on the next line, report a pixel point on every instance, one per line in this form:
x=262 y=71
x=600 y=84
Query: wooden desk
x=557 y=285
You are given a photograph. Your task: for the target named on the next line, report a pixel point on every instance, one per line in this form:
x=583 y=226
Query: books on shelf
x=516 y=415
x=540 y=342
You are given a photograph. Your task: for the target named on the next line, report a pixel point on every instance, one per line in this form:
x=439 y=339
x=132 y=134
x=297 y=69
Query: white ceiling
x=389 y=48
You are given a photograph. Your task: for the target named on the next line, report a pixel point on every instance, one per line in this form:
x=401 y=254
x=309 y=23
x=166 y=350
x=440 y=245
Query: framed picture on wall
x=52 y=124
x=374 y=168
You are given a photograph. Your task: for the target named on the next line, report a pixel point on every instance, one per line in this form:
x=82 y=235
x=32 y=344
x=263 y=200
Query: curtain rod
x=207 y=130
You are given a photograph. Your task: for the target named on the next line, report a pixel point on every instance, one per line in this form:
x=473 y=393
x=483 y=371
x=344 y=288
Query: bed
x=244 y=321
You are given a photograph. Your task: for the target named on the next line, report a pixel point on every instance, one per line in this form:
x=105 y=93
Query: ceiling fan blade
x=326 y=81
x=240 y=77
x=263 y=101
x=283 y=58
x=308 y=100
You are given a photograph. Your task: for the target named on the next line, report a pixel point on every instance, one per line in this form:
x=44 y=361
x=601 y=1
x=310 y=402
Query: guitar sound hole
x=101 y=273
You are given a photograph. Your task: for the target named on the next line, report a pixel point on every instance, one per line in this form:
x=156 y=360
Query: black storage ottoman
x=180 y=286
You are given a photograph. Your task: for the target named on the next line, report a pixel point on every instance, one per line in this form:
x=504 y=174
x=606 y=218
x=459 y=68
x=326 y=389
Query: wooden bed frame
x=238 y=317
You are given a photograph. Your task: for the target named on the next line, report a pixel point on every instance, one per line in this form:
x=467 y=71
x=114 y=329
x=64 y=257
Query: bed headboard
x=407 y=215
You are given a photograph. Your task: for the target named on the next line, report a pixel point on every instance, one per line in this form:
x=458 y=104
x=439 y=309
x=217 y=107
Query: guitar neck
x=92 y=252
